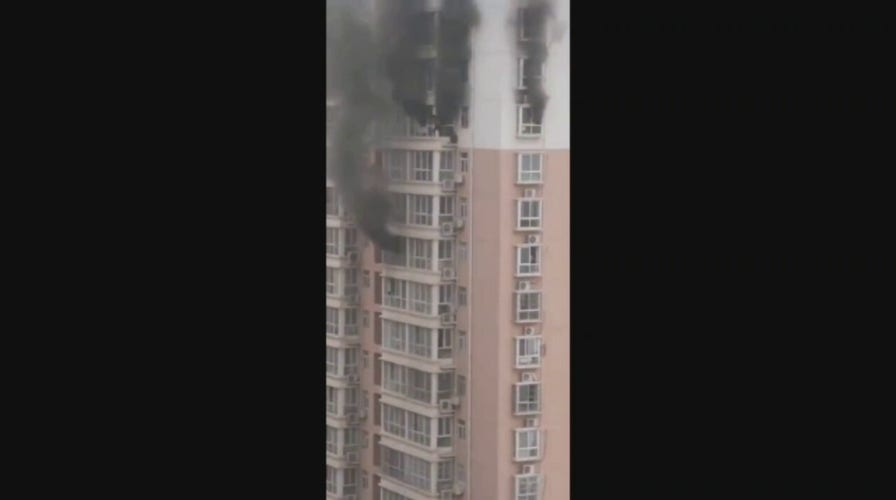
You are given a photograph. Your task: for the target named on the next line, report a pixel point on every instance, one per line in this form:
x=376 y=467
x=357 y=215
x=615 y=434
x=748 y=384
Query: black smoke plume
x=428 y=51
x=535 y=20
x=353 y=77
x=423 y=55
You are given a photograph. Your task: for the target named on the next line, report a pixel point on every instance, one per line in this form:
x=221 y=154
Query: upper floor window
x=527 y=398
x=332 y=360
x=529 y=168
x=528 y=214
x=528 y=126
x=464 y=162
x=529 y=73
x=332 y=440
x=528 y=306
x=332 y=321
x=446 y=166
x=332 y=241
x=527 y=487
x=528 y=260
x=421 y=164
x=446 y=251
x=331 y=281
x=332 y=402
x=420 y=253
x=349 y=481
x=422 y=210
x=406 y=468
x=527 y=444
x=331 y=480
x=528 y=351
x=531 y=23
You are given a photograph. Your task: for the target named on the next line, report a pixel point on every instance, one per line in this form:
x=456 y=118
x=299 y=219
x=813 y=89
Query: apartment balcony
x=341 y=416
x=343 y=257
x=431 y=228
x=401 y=481
x=407 y=134
x=345 y=296
x=344 y=457
x=394 y=486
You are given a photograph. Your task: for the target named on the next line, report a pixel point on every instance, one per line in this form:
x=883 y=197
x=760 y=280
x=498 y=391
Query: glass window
x=528 y=260
x=528 y=397
x=528 y=306
x=445 y=344
x=420 y=253
x=332 y=321
x=332 y=361
x=528 y=351
x=421 y=163
x=331 y=281
x=529 y=168
x=527 y=444
x=529 y=214
x=527 y=487
x=332 y=241
x=422 y=210
x=420 y=297
x=445 y=432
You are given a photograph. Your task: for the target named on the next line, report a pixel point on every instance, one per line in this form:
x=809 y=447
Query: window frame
x=528 y=495
x=528 y=410
x=332 y=242
x=529 y=128
x=528 y=315
x=521 y=354
x=529 y=452
x=521 y=172
x=529 y=219
x=528 y=269
x=421 y=210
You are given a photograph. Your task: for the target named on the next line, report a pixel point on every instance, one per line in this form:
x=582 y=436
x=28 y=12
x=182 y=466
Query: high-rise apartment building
x=448 y=362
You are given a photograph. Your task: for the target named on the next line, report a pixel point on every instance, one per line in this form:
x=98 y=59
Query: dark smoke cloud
x=537 y=17
x=353 y=74
x=412 y=51
x=423 y=47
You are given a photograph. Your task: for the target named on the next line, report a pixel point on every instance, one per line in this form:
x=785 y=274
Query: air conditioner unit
x=530 y=193
x=448 y=318
x=459 y=488
x=524 y=285
x=529 y=330
x=533 y=239
x=530 y=377
x=448 y=274
x=531 y=422
x=445 y=405
x=448 y=185
x=447 y=229
x=446 y=495
x=353 y=257
x=458 y=178
x=352 y=457
x=459 y=223
x=528 y=469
